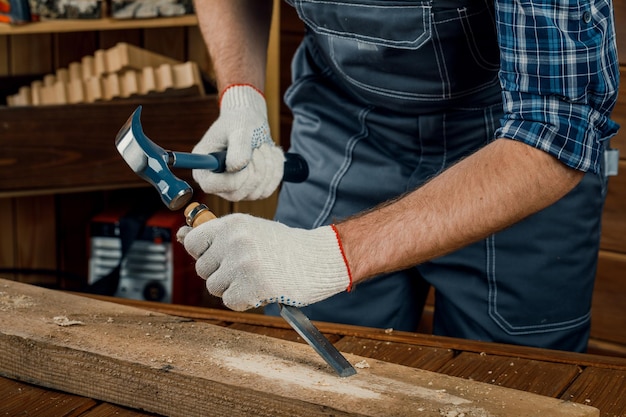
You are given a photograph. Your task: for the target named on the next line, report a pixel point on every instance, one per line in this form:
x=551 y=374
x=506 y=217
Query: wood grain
x=30 y=54
x=7 y=237
x=619 y=12
x=175 y=367
x=608 y=320
x=84 y=157
x=58 y=404
x=166 y=41
x=4 y=55
x=35 y=226
x=599 y=386
x=613 y=216
x=428 y=358
x=71 y=47
x=529 y=375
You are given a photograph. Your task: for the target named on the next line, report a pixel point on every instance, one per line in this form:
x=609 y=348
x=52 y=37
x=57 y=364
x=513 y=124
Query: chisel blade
x=316 y=340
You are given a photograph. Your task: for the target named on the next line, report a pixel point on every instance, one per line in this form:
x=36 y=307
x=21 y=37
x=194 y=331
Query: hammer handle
x=296 y=168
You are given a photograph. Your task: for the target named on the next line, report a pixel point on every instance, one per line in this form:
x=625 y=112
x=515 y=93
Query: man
x=452 y=143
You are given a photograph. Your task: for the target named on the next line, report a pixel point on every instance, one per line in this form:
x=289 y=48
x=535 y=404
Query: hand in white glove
x=254 y=164
x=251 y=262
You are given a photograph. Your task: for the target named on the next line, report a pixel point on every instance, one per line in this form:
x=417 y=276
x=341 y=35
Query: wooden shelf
x=83 y=25
x=71 y=148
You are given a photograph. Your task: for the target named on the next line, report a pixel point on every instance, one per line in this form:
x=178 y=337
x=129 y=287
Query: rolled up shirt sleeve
x=559 y=76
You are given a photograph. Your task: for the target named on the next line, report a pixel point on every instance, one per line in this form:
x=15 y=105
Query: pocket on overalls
x=407 y=55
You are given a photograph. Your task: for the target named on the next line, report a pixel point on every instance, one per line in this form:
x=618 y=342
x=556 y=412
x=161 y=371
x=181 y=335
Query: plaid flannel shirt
x=560 y=76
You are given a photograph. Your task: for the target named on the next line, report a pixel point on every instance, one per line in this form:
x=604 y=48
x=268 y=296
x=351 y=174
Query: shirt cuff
x=571 y=132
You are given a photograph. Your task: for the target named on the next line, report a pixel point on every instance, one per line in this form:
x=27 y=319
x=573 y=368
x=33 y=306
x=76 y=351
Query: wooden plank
x=88 y=25
x=4 y=55
x=608 y=320
x=110 y=410
x=619 y=11
x=619 y=113
x=7 y=237
x=166 y=41
x=35 y=236
x=417 y=339
x=20 y=399
x=272 y=78
x=110 y=38
x=175 y=367
x=31 y=54
x=613 y=220
x=600 y=388
x=72 y=47
x=428 y=358
x=539 y=377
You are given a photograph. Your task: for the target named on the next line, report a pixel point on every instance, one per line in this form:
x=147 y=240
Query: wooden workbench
x=597 y=381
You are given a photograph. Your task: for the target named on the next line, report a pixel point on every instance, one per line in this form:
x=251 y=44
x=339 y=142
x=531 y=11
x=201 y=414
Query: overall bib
x=388 y=94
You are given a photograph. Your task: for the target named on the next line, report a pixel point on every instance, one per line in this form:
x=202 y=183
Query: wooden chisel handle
x=196 y=214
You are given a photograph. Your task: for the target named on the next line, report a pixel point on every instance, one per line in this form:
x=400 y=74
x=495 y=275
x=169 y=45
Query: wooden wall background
x=47 y=230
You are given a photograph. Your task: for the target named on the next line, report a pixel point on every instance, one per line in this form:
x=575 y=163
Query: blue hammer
x=153 y=163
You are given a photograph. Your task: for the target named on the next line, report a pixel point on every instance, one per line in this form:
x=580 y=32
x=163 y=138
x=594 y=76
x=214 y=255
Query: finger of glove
x=236 y=298
x=268 y=163
x=215 y=139
x=256 y=181
x=182 y=233
x=239 y=149
x=198 y=239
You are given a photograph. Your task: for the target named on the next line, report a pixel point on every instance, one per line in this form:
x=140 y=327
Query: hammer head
x=150 y=162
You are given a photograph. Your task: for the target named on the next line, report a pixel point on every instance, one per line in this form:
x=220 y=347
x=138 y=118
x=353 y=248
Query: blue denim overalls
x=387 y=94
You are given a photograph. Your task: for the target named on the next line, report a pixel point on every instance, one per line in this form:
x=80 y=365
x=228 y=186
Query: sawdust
x=363 y=386
x=362 y=364
x=64 y=321
x=10 y=302
x=464 y=412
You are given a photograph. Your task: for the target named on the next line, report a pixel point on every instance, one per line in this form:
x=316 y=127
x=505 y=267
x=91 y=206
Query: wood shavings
x=362 y=364
x=8 y=301
x=64 y=321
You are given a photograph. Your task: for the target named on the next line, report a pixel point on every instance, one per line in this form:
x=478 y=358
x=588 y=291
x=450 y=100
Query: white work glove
x=254 y=164
x=251 y=262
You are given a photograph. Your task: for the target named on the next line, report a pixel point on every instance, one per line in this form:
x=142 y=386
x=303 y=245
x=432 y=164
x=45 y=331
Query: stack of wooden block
x=123 y=71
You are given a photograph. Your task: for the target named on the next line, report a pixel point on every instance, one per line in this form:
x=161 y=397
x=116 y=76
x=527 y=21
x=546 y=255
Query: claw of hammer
x=150 y=162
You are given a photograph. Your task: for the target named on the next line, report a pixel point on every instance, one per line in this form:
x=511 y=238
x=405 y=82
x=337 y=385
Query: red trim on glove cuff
x=343 y=254
x=239 y=85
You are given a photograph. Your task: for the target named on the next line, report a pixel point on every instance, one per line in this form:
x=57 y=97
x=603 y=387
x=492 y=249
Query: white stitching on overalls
x=341 y=172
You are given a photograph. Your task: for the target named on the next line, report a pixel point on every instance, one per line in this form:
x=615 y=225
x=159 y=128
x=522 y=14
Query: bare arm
x=236 y=33
x=497 y=186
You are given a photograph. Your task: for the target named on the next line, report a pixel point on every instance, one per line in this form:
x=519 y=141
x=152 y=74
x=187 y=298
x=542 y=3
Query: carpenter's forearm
x=488 y=191
x=236 y=33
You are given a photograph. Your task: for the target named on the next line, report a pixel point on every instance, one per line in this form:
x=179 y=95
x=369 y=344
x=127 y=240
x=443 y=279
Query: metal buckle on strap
x=611 y=162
